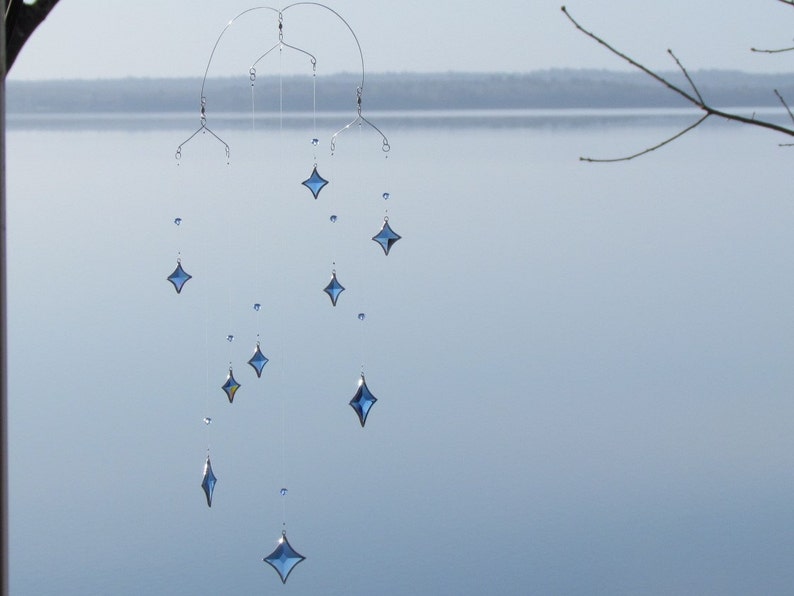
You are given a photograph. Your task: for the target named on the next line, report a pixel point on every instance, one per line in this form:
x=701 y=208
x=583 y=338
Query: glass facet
x=386 y=237
x=334 y=288
x=179 y=277
x=284 y=558
x=258 y=361
x=362 y=401
x=230 y=386
x=208 y=482
x=315 y=182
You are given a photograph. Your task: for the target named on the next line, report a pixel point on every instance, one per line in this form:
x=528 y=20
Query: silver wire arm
x=202 y=128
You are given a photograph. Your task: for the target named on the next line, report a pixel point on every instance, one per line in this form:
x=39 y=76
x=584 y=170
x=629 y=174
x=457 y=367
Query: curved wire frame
x=281 y=43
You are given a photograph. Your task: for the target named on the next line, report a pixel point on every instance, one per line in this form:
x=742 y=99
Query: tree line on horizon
x=558 y=88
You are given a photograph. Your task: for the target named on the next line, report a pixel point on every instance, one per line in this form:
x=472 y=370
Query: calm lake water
x=584 y=372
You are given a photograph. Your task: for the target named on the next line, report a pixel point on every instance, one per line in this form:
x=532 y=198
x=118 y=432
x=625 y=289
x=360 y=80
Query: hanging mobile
x=284 y=557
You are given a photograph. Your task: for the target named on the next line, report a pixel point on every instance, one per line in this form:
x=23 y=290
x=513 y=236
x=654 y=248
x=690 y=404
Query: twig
x=649 y=149
x=785 y=105
x=686 y=74
x=696 y=100
x=778 y=51
x=631 y=61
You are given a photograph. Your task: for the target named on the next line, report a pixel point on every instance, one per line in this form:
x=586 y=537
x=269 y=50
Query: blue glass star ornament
x=208 y=482
x=315 y=182
x=179 y=277
x=230 y=386
x=386 y=237
x=334 y=288
x=362 y=401
x=284 y=558
x=258 y=360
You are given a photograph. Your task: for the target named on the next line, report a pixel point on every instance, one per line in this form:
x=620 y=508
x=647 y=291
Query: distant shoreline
x=266 y=123
x=550 y=89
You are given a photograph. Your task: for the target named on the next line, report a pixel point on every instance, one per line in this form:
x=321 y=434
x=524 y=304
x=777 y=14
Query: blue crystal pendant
x=315 y=182
x=230 y=386
x=386 y=237
x=334 y=288
x=258 y=361
x=179 y=277
x=362 y=401
x=284 y=558
x=208 y=483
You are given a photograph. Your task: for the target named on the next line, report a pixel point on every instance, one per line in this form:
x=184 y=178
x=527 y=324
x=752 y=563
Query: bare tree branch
x=649 y=149
x=778 y=51
x=686 y=74
x=696 y=99
x=785 y=105
x=631 y=61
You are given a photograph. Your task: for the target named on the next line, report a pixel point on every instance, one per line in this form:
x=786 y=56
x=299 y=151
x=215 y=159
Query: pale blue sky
x=148 y=38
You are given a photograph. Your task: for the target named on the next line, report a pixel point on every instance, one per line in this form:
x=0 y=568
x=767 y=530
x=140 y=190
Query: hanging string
x=360 y=192
x=226 y=263
x=208 y=411
x=252 y=78
x=386 y=194
x=283 y=491
x=363 y=341
x=315 y=140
